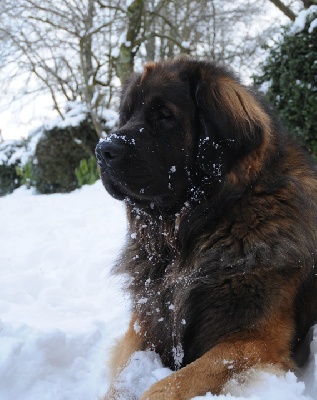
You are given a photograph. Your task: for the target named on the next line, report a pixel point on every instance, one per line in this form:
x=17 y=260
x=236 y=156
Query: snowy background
x=60 y=310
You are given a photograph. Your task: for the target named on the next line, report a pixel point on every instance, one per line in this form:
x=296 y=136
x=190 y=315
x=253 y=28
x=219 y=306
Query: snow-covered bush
x=9 y=179
x=63 y=145
x=57 y=157
x=290 y=77
x=16 y=162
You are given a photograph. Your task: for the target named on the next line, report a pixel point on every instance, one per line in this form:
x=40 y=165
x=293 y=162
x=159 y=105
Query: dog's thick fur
x=222 y=211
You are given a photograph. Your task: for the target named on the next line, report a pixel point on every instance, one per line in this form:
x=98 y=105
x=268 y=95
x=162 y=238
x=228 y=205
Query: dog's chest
x=159 y=306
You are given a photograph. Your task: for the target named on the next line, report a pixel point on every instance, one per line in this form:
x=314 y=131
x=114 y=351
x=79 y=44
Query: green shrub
x=25 y=173
x=290 y=71
x=87 y=172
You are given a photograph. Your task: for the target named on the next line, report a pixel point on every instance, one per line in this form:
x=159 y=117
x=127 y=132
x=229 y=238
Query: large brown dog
x=222 y=211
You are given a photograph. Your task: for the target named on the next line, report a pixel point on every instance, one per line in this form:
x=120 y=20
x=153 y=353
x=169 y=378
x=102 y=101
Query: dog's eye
x=164 y=114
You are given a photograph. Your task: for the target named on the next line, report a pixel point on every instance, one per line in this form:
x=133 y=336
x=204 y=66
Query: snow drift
x=60 y=310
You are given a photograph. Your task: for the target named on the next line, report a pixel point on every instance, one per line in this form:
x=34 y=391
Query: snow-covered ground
x=60 y=310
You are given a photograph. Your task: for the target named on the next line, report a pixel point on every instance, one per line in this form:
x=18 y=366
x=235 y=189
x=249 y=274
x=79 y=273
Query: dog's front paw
x=166 y=389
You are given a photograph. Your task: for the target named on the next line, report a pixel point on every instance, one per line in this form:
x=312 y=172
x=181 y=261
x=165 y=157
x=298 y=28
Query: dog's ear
x=233 y=123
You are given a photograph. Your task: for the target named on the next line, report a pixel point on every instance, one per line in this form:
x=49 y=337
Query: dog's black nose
x=108 y=150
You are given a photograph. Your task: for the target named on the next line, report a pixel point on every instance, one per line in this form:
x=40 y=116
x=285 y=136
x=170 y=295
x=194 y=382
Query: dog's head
x=184 y=125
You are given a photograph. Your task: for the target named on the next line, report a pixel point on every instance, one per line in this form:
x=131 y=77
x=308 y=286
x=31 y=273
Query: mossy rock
x=58 y=154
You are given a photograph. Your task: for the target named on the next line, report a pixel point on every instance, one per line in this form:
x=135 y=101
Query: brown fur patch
x=245 y=109
x=242 y=105
x=266 y=348
x=147 y=69
x=249 y=168
x=123 y=349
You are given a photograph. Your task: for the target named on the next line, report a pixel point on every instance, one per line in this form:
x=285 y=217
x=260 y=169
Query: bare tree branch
x=284 y=8
x=79 y=48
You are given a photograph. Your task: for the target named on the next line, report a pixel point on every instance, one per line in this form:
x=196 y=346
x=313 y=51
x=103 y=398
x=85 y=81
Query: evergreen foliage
x=290 y=72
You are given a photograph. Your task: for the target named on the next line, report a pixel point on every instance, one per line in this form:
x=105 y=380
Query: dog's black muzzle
x=109 y=151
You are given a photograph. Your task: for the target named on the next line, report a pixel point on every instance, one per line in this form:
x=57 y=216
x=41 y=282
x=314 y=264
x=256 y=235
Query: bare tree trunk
x=128 y=49
x=86 y=52
x=150 y=48
x=150 y=28
x=86 y=55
